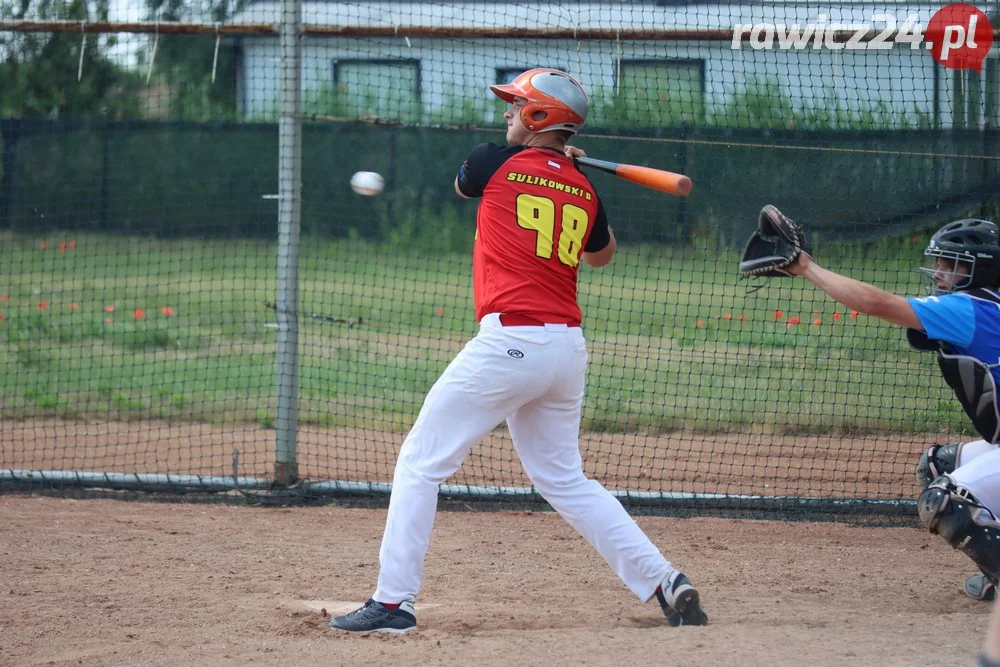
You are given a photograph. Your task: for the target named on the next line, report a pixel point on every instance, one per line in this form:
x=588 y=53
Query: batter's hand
x=574 y=152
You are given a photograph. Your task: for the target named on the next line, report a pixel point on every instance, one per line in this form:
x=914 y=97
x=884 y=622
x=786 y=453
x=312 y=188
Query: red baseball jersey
x=538 y=214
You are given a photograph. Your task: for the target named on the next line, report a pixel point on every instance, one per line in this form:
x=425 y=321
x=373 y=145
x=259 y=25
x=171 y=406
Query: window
x=965 y=98
x=385 y=89
x=970 y=99
x=508 y=74
x=992 y=93
x=975 y=96
x=664 y=92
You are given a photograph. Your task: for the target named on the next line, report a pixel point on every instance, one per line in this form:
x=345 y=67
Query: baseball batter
x=961 y=322
x=538 y=218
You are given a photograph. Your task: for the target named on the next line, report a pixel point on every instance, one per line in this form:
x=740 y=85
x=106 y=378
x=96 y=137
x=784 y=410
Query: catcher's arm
x=857 y=295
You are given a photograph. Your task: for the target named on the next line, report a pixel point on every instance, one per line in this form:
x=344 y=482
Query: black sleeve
x=479 y=167
x=599 y=237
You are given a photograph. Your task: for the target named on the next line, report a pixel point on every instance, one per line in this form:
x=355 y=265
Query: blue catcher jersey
x=970 y=324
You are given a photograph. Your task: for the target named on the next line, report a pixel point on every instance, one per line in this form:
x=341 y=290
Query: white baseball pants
x=533 y=377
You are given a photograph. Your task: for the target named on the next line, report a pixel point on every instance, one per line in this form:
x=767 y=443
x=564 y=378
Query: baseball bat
x=657 y=179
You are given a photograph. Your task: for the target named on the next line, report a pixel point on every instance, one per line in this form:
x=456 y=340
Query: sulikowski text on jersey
x=548 y=183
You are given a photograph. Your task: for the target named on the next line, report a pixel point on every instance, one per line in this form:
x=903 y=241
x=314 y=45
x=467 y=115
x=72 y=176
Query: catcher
x=961 y=322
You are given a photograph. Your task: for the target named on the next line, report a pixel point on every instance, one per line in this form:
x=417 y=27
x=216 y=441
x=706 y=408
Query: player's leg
x=961 y=507
x=979 y=472
x=943 y=459
x=546 y=436
x=473 y=395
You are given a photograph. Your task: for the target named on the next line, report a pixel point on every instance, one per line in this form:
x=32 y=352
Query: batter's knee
x=565 y=485
x=568 y=495
x=936 y=461
x=434 y=468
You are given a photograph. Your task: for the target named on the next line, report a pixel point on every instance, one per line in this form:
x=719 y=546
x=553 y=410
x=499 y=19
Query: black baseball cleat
x=981 y=587
x=680 y=602
x=376 y=617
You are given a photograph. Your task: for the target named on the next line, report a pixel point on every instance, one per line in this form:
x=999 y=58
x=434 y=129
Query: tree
x=184 y=62
x=38 y=72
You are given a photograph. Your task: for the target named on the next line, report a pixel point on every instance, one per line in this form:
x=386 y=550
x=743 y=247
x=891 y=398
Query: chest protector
x=969 y=378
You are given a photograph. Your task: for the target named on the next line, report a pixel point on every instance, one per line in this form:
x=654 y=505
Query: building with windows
x=430 y=62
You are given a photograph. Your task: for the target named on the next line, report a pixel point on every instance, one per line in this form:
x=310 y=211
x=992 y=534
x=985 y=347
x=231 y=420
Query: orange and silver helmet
x=555 y=100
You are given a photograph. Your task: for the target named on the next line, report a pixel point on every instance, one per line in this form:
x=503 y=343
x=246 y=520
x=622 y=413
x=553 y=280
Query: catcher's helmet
x=972 y=242
x=555 y=100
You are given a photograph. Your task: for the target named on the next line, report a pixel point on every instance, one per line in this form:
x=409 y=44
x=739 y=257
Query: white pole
x=289 y=216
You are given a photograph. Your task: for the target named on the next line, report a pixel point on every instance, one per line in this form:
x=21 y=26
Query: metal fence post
x=286 y=469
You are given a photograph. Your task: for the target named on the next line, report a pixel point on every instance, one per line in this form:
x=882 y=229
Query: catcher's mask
x=555 y=100
x=970 y=244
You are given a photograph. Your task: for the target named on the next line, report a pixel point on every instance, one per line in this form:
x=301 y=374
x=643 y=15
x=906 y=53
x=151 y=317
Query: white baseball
x=367 y=183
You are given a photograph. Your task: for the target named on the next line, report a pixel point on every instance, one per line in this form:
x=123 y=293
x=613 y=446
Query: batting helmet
x=972 y=242
x=555 y=100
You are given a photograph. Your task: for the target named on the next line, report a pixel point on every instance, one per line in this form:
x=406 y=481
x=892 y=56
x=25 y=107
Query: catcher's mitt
x=775 y=245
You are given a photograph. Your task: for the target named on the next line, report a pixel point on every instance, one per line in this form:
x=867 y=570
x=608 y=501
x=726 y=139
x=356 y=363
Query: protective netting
x=141 y=208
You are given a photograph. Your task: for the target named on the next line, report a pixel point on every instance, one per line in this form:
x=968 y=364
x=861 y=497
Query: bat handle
x=603 y=165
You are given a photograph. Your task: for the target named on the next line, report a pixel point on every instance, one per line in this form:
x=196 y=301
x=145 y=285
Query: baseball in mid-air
x=367 y=183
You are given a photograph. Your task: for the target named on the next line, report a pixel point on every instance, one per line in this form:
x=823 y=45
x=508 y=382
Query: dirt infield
x=106 y=582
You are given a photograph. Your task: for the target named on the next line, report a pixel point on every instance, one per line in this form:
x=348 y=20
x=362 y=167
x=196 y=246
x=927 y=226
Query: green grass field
x=676 y=341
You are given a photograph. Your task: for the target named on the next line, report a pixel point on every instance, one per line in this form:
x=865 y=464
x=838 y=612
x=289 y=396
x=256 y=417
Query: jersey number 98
x=538 y=214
